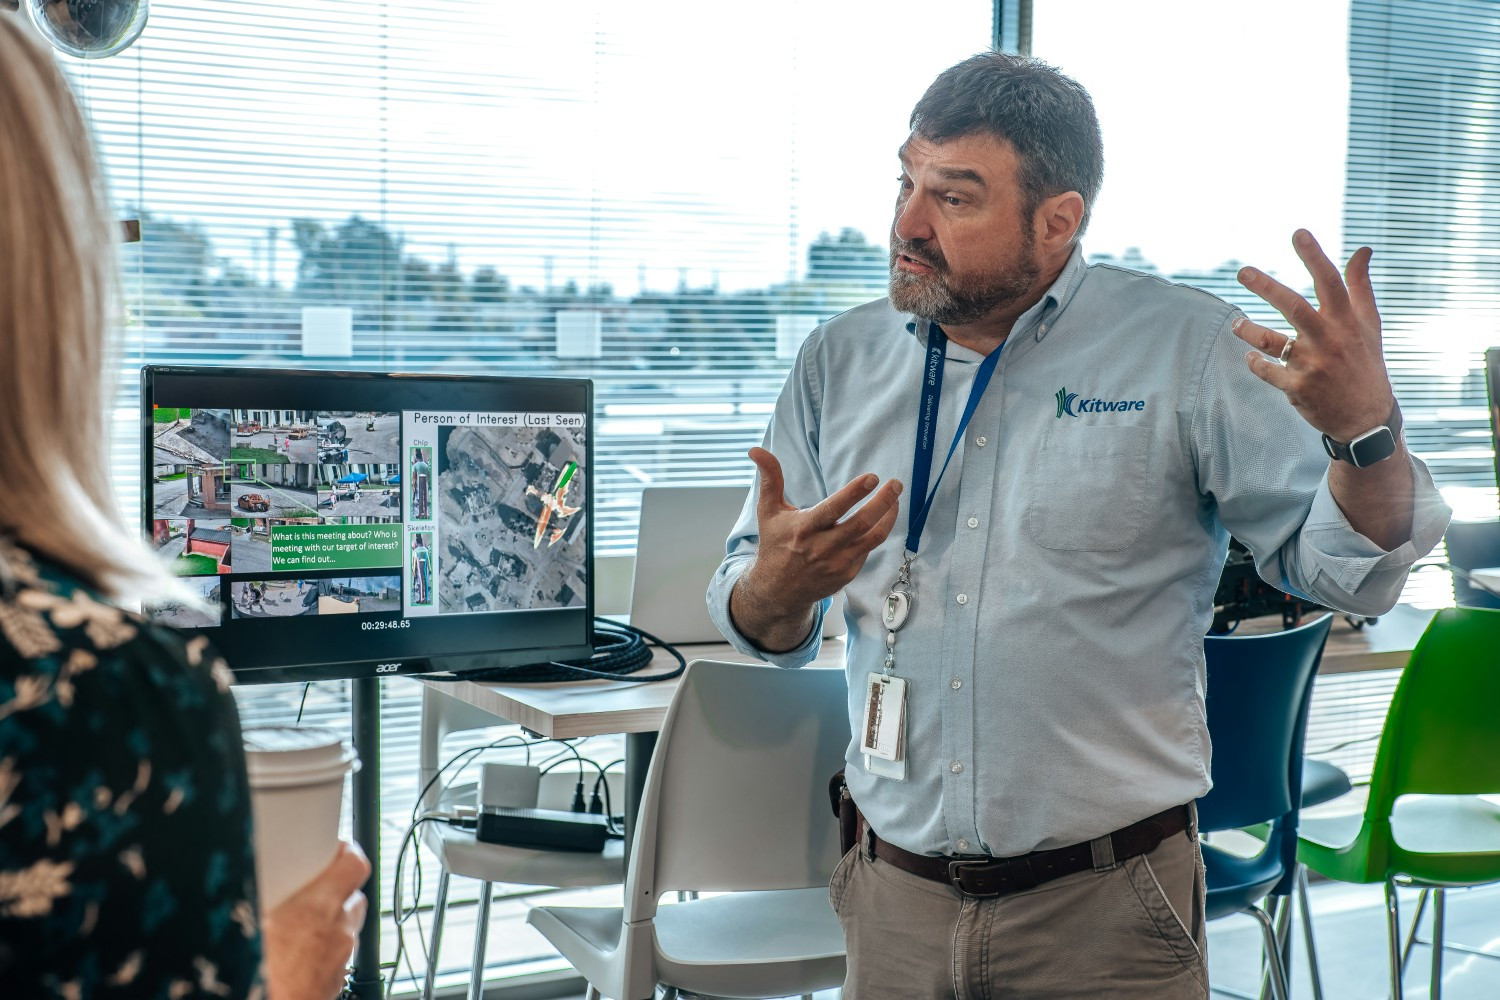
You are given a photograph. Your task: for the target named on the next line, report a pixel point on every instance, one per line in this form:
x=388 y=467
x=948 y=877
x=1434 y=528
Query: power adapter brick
x=549 y=829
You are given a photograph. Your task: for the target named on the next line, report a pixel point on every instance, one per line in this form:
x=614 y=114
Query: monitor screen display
x=348 y=524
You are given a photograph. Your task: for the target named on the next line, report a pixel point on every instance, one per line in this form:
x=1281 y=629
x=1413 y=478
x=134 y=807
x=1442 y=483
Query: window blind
x=662 y=196
x=1370 y=122
x=593 y=189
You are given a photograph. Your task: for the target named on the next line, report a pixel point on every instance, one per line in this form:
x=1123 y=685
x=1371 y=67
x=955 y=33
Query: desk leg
x=366 y=723
x=638 y=750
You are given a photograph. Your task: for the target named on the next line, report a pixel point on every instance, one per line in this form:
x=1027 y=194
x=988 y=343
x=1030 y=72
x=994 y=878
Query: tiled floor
x=1349 y=925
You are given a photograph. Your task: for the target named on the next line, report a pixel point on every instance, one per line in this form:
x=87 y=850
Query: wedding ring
x=1286 y=350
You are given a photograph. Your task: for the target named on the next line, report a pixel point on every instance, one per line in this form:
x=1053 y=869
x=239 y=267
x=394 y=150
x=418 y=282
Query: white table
x=1386 y=645
x=569 y=709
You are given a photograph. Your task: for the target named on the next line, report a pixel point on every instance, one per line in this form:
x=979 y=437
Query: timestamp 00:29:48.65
x=397 y=623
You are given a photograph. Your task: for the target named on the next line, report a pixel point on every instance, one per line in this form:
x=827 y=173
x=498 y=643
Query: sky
x=651 y=143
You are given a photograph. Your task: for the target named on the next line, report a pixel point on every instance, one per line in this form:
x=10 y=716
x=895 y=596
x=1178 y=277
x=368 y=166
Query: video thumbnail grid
x=278 y=495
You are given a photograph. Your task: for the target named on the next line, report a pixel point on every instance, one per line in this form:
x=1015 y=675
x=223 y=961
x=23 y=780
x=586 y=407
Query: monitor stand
x=365 y=720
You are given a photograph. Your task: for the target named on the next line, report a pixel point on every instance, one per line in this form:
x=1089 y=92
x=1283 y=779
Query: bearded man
x=1025 y=651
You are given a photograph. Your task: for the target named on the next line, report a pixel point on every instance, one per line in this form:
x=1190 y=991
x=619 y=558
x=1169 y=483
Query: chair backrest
x=1259 y=688
x=1442 y=732
x=1473 y=545
x=737 y=793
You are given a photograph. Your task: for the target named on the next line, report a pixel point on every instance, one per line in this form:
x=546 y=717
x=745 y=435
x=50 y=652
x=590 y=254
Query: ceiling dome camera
x=89 y=29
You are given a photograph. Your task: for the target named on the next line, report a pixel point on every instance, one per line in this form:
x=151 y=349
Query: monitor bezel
x=455 y=663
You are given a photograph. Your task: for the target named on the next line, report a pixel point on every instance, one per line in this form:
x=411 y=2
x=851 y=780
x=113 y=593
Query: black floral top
x=126 y=867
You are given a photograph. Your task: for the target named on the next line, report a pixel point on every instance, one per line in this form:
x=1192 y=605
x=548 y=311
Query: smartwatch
x=1372 y=446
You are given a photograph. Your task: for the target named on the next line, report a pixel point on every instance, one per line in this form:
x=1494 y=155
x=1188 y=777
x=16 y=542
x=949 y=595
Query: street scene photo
x=180 y=615
x=511 y=528
x=190 y=491
x=250 y=540
x=273 y=490
x=347 y=437
x=359 y=595
x=365 y=490
x=192 y=547
x=273 y=598
x=189 y=437
x=271 y=437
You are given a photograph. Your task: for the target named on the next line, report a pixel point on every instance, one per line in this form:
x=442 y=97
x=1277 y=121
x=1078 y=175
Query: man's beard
x=950 y=302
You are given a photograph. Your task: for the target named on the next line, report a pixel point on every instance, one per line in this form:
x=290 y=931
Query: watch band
x=1374 y=445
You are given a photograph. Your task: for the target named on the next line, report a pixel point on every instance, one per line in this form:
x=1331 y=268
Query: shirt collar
x=1054 y=300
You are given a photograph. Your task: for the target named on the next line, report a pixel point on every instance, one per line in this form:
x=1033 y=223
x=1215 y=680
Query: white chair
x=458 y=853
x=736 y=801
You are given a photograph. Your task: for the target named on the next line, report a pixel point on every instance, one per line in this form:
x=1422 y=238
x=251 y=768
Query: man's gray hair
x=1048 y=117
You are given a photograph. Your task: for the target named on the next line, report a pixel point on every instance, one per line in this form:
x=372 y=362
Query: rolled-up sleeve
x=1366 y=578
x=792 y=436
x=1267 y=471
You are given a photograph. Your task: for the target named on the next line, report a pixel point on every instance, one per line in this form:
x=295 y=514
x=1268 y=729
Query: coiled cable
x=619 y=652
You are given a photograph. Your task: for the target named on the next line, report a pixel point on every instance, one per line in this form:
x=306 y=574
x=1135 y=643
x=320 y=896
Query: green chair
x=1425 y=824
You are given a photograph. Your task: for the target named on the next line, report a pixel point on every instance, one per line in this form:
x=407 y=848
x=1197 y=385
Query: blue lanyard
x=932 y=390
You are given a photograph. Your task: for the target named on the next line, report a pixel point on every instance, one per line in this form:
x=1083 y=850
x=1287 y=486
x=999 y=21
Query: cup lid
x=277 y=756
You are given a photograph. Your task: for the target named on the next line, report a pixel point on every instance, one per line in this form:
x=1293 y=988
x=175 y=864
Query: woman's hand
x=309 y=937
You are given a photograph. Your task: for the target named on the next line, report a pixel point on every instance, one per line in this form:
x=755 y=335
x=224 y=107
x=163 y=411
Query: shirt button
x=956 y=767
x=963 y=845
x=962 y=598
x=981 y=441
x=955 y=683
x=1043 y=328
x=973 y=522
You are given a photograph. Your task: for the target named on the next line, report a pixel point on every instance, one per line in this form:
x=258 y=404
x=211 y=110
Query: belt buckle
x=1017 y=876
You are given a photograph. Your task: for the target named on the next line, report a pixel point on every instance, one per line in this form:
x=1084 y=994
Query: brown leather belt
x=986 y=876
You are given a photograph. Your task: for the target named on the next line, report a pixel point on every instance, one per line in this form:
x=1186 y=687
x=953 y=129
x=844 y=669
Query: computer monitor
x=353 y=524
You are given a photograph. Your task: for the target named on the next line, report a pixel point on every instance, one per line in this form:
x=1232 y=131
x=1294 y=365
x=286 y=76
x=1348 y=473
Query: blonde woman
x=125 y=858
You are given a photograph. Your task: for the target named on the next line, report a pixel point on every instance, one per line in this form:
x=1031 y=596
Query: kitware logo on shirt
x=1069 y=404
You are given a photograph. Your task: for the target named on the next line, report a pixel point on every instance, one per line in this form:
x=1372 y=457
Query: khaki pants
x=1135 y=932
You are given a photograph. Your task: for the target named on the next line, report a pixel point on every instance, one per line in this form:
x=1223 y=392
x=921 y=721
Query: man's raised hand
x=1334 y=373
x=806 y=555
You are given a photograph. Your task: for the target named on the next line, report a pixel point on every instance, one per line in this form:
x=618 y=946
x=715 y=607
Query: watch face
x=1376 y=446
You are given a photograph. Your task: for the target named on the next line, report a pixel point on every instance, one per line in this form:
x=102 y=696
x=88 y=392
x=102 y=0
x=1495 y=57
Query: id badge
x=883 y=733
x=895 y=770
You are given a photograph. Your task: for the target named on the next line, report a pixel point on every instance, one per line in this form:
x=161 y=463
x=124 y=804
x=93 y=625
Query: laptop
x=680 y=546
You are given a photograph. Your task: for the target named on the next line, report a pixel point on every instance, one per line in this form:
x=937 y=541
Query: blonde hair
x=57 y=302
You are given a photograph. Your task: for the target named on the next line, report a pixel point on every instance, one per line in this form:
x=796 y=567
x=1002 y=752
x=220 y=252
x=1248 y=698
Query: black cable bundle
x=619 y=651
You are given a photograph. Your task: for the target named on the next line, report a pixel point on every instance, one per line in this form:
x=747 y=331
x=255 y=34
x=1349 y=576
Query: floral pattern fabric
x=126 y=867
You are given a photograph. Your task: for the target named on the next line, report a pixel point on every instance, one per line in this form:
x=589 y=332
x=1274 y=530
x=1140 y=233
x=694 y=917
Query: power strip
x=551 y=829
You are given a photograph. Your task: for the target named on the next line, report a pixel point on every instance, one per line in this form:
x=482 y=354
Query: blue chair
x=1259 y=688
x=1322 y=782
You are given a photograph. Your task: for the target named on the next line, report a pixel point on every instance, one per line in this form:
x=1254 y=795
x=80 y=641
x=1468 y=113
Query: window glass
x=1369 y=122
x=663 y=196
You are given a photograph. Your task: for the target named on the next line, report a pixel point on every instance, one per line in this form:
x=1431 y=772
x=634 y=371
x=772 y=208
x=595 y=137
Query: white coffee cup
x=296 y=795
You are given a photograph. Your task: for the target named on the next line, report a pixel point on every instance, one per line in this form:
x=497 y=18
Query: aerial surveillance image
x=513 y=531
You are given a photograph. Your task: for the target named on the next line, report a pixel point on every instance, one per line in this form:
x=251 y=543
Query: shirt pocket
x=1087 y=488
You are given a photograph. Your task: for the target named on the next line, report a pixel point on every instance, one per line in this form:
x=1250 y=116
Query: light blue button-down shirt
x=1054 y=656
